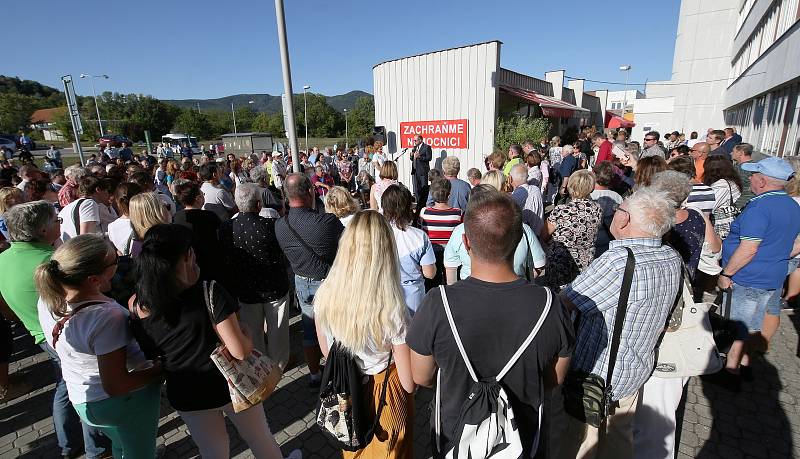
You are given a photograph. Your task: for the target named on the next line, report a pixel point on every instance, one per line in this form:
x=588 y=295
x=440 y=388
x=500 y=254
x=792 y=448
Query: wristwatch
x=725 y=275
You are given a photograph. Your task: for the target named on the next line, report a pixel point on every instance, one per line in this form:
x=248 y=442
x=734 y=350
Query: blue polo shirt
x=773 y=218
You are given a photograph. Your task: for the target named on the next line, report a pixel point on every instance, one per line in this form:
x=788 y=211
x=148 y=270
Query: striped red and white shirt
x=440 y=223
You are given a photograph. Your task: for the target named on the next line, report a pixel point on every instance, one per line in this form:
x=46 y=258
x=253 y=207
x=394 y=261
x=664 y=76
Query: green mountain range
x=264 y=102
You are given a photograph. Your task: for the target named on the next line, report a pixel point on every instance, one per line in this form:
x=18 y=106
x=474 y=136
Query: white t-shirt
x=89 y=211
x=374 y=359
x=107 y=216
x=96 y=330
x=218 y=200
x=119 y=232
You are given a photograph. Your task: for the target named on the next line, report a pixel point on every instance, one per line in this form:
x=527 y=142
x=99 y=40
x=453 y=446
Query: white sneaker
x=296 y=454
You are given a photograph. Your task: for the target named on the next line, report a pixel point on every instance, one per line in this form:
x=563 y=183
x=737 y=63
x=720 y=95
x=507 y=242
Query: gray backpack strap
x=529 y=339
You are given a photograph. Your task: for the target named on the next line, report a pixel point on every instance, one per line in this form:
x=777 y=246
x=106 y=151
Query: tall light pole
x=234 y=118
x=96 y=107
x=233 y=112
x=305 y=112
x=283 y=44
x=346 y=137
x=627 y=70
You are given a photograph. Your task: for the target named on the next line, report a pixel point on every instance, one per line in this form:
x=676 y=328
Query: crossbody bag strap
x=127 y=251
x=529 y=339
x=208 y=296
x=456 y=335
x=527 y=252
x=382 y=399
x=58 y=328
x=622 y=309
x=76 y=216
x=304 y=243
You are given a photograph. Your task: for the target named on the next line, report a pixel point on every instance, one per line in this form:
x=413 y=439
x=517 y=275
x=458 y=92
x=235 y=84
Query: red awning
x=615 y=122
x=551 y=107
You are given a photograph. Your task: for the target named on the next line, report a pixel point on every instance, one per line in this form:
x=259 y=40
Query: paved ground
x=763 y=421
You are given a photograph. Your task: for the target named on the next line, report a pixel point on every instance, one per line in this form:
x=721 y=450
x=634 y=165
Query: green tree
x=269 y=122
x=244 y=119
x=361 y=119
x=517 y=129
x=16 y=111
x=193 y=123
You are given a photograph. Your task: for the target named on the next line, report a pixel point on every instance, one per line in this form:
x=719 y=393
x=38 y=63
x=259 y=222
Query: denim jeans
x=66 y=422
x=306 y=289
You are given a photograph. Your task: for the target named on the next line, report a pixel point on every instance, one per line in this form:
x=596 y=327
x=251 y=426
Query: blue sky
x=181 y=49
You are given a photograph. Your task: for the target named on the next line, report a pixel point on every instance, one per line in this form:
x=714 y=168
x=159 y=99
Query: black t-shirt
x=185 y=344
x=205 y=240
x=493 y=320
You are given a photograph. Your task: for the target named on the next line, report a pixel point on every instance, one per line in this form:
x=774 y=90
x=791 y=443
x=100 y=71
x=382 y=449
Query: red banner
x=437 y=133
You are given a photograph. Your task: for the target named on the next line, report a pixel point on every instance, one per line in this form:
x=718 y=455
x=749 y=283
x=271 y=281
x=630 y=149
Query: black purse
x=722 y=326
x=587 y=396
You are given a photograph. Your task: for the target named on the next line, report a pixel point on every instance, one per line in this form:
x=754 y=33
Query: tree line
x=132 y=114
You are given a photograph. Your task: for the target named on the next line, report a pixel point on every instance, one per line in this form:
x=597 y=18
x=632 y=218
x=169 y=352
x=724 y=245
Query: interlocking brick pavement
x=762 y=421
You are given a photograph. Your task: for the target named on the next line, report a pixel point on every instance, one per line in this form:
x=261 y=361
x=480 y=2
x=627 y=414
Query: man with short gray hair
x=459 y=189
x=255 y=273
x=741 y=154
x=638 y=225
x=33 y=228
x=528 y=198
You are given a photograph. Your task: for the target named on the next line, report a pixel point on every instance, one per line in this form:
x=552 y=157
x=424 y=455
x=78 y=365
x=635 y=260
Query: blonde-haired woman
x=495 y=178
x=146 y=211
x=96 y=348
x=570 y=232
x=370 y=322
x=9 y=197
x=341 y=203
x=388 y=177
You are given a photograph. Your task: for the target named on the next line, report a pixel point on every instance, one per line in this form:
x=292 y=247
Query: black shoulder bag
x=76 y=216
x=587 y=396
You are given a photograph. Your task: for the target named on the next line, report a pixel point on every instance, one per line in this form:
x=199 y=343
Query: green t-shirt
x=511 y=163
x=17 y=265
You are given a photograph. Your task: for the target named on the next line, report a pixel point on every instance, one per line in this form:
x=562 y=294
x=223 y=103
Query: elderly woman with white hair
x=255 y=273
x=270 y=205
x=69 y=192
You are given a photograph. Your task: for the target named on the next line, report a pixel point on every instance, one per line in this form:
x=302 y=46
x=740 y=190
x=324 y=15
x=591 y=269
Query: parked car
x=113 y=140
x=8 y=142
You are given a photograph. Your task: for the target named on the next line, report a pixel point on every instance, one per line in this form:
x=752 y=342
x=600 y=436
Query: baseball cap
x=771 y=167
x=276 y=153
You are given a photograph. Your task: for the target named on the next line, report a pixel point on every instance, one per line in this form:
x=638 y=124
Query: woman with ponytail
x=90 y=333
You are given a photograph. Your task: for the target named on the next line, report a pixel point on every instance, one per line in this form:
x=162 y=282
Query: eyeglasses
x=623 y=210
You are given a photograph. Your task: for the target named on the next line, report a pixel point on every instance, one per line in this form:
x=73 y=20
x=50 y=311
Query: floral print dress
x=571 y=248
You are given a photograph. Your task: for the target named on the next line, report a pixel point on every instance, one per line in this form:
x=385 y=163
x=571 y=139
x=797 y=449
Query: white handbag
x=689 y=350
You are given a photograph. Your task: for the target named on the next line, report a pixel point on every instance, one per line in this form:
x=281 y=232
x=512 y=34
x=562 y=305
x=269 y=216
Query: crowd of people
x=105 y=266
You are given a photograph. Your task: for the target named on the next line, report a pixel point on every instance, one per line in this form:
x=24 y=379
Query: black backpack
x=342 y=413
x=124 y=281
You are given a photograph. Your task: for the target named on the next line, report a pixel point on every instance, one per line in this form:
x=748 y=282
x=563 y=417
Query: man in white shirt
x=217 y=199
x=82 y=215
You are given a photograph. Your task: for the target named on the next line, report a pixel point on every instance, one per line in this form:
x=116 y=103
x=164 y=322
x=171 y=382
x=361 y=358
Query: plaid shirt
x=595 y=293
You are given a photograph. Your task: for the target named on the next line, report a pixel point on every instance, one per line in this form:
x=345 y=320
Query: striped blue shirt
x=595 y=293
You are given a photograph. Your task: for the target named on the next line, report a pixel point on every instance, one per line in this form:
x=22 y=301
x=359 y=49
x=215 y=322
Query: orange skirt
x=393 y=436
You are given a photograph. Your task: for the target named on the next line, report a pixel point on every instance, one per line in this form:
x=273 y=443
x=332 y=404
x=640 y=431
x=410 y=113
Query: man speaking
x=421 y=157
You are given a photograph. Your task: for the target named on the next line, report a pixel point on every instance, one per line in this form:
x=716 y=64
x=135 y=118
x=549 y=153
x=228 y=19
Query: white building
x=618 y=99
x=761 y=97
x=453 y=98
x=700 y=69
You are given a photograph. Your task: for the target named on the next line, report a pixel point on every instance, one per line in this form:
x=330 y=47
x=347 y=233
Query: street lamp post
x=346 y=137
x=234 y=118
x=288 y=106
x=627 y=70
x=96 y=107
x=305 y=113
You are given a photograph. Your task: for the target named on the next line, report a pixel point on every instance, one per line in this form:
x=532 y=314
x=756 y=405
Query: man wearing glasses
x=651 y=146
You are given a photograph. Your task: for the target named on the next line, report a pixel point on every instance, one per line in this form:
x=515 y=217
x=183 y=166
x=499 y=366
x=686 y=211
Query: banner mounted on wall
x=436 y=133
